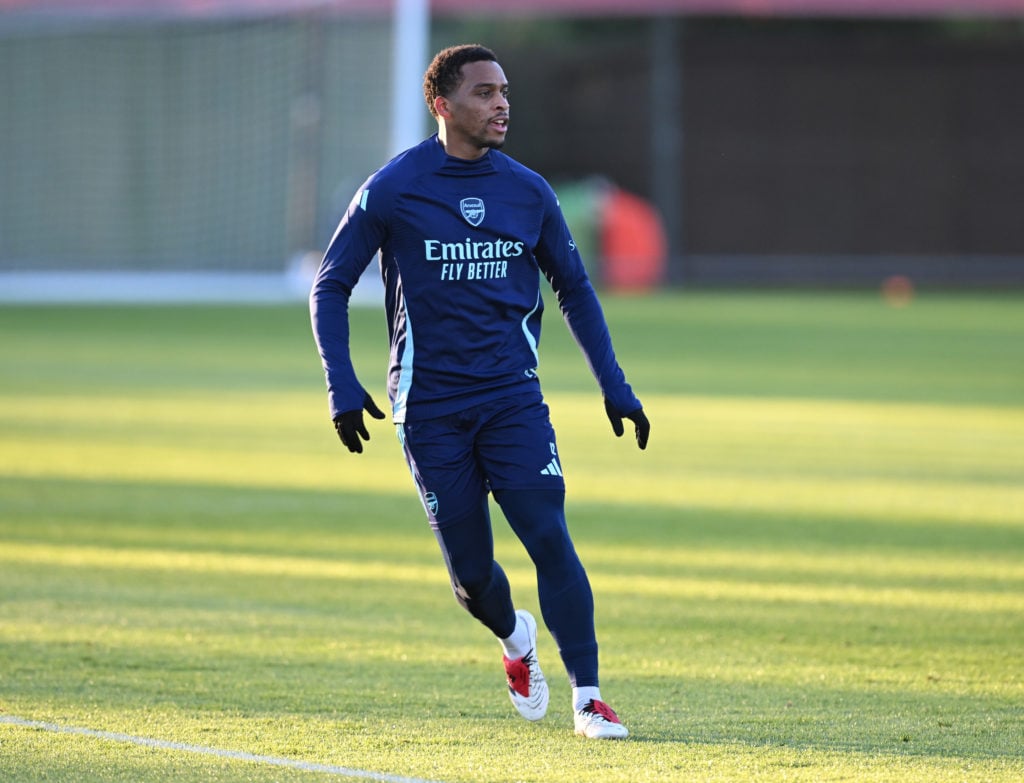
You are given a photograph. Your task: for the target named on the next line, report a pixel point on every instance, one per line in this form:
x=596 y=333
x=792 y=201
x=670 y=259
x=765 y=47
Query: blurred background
x=205 y=149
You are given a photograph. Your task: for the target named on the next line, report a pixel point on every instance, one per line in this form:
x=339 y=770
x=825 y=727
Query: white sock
x=581 y=696
x=518 y=644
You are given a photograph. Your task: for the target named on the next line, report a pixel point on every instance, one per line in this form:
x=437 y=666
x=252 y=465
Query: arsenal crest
x=473 y=210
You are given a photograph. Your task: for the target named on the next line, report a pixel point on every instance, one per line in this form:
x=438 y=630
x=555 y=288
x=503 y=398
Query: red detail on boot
x=604 y=710
x=518 y=674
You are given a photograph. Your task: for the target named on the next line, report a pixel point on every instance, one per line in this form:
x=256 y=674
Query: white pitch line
x=149 y=742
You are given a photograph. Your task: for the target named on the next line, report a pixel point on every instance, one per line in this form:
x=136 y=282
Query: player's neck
x=458 y=148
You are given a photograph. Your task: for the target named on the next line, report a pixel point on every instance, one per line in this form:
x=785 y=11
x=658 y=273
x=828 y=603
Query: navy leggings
x=505 y=446
x=537 y=517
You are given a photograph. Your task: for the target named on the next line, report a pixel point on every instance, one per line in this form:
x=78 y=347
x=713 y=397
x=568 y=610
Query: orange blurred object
x=633 y=243
x=898 y=290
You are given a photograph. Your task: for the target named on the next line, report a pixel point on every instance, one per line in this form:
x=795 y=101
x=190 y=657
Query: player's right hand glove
x=350 y=425
x=643 y=427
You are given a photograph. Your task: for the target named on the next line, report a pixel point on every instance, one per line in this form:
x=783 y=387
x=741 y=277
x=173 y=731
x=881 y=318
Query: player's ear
x=441 y=107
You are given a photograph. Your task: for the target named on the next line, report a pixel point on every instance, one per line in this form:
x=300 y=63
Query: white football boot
x=596 y=720
x=527 y=687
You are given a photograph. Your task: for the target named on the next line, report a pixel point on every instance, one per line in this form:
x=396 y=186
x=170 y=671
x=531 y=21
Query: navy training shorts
x=455 y=460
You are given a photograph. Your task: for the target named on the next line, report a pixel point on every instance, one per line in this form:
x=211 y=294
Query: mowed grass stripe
x=1007 y=570
x=670 y=587
x=825 y=457
x=874 y=497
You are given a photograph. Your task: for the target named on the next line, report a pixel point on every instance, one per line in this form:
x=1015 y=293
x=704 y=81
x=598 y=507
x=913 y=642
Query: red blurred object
x=633 y=245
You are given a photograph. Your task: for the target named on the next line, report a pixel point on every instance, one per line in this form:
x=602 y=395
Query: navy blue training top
x=462 y=244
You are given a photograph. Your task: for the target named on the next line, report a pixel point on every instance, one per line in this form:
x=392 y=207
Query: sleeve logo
x=473 y=210
x=430 y=501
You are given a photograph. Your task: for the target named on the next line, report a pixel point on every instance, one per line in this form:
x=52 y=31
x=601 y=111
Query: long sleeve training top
x=462 y=245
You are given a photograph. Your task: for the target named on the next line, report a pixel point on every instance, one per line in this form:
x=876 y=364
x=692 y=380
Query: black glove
x=350 y=425
x=643 y=427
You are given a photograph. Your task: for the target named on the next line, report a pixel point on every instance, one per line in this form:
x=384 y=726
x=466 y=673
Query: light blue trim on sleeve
x=531 y=341
x=405 y=371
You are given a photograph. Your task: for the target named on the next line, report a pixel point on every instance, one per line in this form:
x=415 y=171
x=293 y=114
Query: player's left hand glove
x=643 y=427
x=350 y=425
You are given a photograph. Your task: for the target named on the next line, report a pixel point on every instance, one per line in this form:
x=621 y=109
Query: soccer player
x=464 y=233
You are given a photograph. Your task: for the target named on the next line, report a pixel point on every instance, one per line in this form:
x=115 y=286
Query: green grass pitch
x=814 y=573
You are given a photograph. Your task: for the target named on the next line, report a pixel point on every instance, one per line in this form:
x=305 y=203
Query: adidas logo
x=552 y=469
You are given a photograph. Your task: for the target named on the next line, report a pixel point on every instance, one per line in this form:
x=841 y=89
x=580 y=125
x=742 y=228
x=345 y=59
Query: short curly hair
x=445 y=72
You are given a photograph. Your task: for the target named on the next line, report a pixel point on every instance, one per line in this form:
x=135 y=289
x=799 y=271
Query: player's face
x=477 y=112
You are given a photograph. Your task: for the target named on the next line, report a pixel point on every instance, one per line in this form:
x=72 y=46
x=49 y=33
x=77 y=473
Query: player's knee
x=471 y=581
x=551 y=549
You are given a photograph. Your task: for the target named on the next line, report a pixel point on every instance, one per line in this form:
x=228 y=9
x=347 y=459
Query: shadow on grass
x=316 y=647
